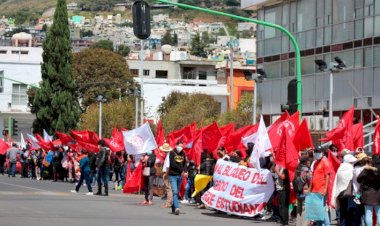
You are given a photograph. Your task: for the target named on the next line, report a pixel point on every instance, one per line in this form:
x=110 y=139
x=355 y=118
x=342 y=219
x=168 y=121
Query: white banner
x=140 y=140
x=239 y=190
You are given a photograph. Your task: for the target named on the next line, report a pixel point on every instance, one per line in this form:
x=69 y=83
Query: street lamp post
x=257 y=77
x=100 y=98
x=336 y=66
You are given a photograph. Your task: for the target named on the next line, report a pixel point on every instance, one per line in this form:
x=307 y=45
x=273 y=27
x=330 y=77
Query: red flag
x=46 y=145
x=341 y=136
x=93 y=138
x=291 y=124
x=116 y=143
x=88 y=147
x=57 y=142
x=334 y=164
x=210 y=137
x=334 y=161
x=357 y=132
x=3 y=147
x=234 y=140
x=196 y=149
x=81 y=135
x=134 y=181
x=227 y=130
x=376 y=139
x=287 y=155
x=302 y=139
x=160 y=134
x=276 y=128
x=65 y=138
x=185 y=135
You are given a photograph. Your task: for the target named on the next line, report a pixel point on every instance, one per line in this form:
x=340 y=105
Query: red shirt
x=322 y=168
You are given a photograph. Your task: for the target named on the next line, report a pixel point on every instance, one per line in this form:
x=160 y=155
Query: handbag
x=146 y=171
x=348 y=192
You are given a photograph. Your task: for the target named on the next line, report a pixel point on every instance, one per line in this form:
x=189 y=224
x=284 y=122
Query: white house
x=20 y=67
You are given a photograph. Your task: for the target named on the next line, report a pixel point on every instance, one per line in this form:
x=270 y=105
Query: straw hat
x=165 y=147
x=361 y=156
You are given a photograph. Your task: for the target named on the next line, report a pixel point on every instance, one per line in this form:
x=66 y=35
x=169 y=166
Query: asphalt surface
x=38 y=203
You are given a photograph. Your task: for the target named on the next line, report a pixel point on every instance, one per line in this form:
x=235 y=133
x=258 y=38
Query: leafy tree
x=103 y=44
x=120 y=114
x=206 y=37
x=123 y=50
x=242 y=115
x=167 y=38
x=56 y=105
x=100 y=71
x=175 y=39
x=198 y=47
x=221 y=32
x=179 y=110
x=87 y=33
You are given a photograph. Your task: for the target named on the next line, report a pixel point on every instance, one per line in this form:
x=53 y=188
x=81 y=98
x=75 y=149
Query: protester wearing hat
x=321 y=177
x=169 y=194
x=342 y=192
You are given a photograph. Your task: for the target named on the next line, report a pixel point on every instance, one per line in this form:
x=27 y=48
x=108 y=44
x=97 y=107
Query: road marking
x=21 y=186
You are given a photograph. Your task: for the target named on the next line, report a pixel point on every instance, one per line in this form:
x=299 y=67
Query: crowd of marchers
x=348 y=181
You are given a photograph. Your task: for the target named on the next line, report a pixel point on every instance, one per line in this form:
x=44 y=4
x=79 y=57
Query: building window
x=146 y=72
x=368 y=57
x=134 y=72
x=19 y=96
x=376 y=55
x=161 y=74
x=24 y=52
x=3 y=52
x=358 y=58
x=308 y=65
x=15 y=52
x=1 y=81
x=202 y=75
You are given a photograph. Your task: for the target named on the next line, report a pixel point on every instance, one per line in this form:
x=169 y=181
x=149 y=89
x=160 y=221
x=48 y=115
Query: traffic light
x=291 y=105
x=14 y=127
x=6 y=127
x=141 y=19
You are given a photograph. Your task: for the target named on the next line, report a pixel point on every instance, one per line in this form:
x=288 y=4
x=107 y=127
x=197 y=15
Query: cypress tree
x=56 y=105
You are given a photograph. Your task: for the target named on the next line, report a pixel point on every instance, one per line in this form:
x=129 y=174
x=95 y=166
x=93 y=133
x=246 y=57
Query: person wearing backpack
x=85 y=171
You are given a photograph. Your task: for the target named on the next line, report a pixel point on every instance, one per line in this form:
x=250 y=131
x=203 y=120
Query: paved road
x=39 y=203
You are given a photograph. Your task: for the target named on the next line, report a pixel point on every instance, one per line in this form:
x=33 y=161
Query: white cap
x=349 y=159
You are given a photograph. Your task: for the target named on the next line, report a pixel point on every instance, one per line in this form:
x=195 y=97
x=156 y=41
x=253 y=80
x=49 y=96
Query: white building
x=161 y=77
x=19 y=67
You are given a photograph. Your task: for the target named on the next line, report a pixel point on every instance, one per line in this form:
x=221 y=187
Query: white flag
x=47 y=137
x=33 y=141
x=22 y=141
x=140 y=140
x=262 y=144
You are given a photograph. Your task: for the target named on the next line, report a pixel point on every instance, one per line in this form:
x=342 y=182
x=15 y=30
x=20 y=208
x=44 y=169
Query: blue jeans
x=175 y=183
x=368 y=214
x=103 y=175
x=86 y=176
x=12 y=169
x=188 y=188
